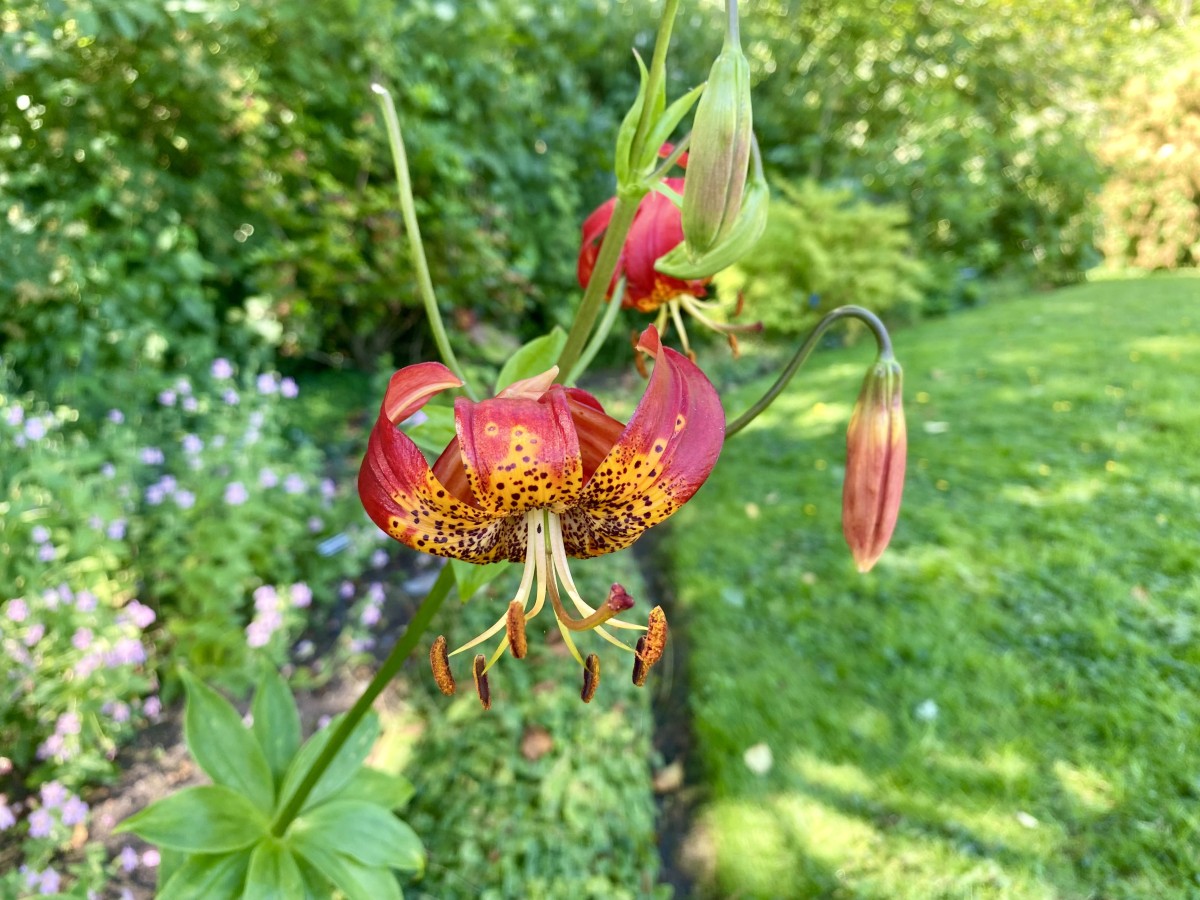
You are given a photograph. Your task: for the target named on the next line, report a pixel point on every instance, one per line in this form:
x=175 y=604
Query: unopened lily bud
x=719 y=155
x=737 y=242
x=876 y=452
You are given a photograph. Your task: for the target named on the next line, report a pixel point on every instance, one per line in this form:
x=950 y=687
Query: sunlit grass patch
x=1007 y=705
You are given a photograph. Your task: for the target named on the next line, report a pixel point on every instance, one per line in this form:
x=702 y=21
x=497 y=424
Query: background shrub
x=1151 y=201
x=822 y=249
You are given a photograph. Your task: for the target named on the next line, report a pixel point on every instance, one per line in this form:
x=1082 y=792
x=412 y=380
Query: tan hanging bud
x=876 y=453
x=439 y=661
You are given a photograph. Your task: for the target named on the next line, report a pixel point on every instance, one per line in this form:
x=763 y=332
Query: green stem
x=882 y=340
x=624 y=210
x=658 y=74
x=600 y=335
x=404 y=647
x=408 y=210
x=597 y=286
x=732 y=35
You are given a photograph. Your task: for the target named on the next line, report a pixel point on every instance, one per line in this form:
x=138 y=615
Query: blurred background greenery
x=197 y=195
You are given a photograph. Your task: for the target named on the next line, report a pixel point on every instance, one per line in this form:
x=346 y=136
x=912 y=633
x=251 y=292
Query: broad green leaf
x=223 y=746
x=316 y=885
x=357 y=882
x=207 y=819
x=470 y=578
x=274 y=874
x=276 y=721
x=380 y=788
x=208 y=876
x=170 y=861
x=435 y=431
x=532 y=358
x=362 y=830
x=340 y=769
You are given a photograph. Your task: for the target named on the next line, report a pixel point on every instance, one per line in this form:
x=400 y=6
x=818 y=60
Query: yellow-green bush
x=1151 y=204
x=822 y=249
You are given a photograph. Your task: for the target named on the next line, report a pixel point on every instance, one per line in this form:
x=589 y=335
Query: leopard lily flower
x=538 y=474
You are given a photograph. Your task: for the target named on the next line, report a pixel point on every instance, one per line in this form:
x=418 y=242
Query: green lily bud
x=737 y=242
x=719 y=155
x=876 y=453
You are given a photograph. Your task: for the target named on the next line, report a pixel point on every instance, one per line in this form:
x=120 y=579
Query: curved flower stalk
x=657 y=229
x=536 y=475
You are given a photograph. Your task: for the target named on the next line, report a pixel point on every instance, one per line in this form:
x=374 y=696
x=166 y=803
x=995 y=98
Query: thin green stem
x=732 y=34
x=597 y=286
x=623 y=211
x=882 y=340
x=408 y=210
x=600 y=335
x=658 y=74
x=403 y=649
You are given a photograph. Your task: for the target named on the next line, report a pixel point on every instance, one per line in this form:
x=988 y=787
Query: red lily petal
x=660 y=460
x=657 y=230
x=404 y=498
x=520 y=454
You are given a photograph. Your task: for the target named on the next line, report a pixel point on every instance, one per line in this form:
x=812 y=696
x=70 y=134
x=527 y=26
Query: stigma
x=547 y=575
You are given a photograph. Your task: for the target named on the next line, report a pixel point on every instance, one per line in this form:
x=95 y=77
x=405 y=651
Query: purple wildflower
x=301 y=595
x=379 y=559
x=222 y=368
x=128 y=859
x=125 y=652
x=155 y=494
x=116 y=529
x=15 y=416
x=167 y=398
x=151 y=456
x=74 y=811
x=68 y=723
x=152 y=707
x=151 y=858
x=36 y=632
x=267 y=383
x=116 y=416
x=82 y=638
x=185 y=499
x=370 y=615
x=46 y=553
x=231 y=397
x=266 y=598
x=140 y=614
x=53 y=794
x=289 y=389
x=35 y=429
x=267 y=478
x=189 y=404
x=346 y=590
x=85 y=601
x=7 y=818
x=108 y=470
x=293 y=484
x=17 y=609
x=191 y=444
x=328 y=488
x=40 y=534
x=236 y=494
x=40 y=823
x=50 y=883
x=315 y=524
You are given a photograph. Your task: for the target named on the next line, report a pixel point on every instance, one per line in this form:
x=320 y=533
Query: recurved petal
x=404 y=498
x=660 y=460
x=520 y=454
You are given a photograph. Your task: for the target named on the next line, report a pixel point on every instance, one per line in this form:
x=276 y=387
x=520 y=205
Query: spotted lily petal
x=520 y=454
x=402 y=495
x=661 y=458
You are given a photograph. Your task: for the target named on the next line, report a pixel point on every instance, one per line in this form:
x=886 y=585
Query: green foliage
x=1151 y=202
x=223 y=834
x=823 y=249
x=1004 y=706
x=543 y=796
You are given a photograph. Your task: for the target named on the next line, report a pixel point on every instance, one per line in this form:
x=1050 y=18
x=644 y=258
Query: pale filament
x=533 y=542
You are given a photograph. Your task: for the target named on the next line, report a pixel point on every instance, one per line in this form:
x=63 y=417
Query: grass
x=1008 y=705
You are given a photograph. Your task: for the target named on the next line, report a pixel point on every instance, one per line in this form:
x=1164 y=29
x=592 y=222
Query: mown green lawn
x=1009 y=704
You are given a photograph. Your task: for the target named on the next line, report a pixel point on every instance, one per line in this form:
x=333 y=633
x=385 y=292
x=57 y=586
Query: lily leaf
x=470 y=578
x=340 y=769
x=274 y=873
x=276 y=722
x=356 y=881
x=381 y=788
x=207 y=819
x=532 y=358
x=207 y=875
x=363 y=831
x=223 y=746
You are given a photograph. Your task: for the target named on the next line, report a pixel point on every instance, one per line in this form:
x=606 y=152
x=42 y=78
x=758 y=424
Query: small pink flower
x=222 y=369
x=236 y=493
